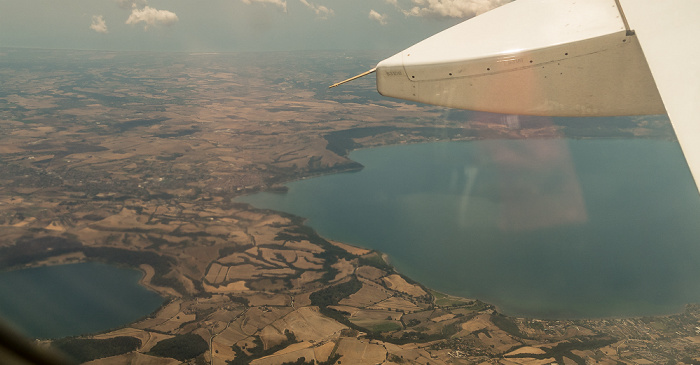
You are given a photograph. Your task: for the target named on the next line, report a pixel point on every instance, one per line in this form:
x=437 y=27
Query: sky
x=229 y=25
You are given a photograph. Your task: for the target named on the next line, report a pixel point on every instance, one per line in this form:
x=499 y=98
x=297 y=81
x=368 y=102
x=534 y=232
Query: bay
x=540 y=228
x=75 y=299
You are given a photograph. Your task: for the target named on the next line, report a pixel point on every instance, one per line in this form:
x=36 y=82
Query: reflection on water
x=544 y=228
x=538 y=185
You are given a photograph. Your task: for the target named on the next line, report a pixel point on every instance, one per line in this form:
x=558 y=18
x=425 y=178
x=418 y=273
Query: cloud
x=281 y=3
x=320 y=10
x=151 y=16
x=128 y=4
x=378 y=17
x=98 y=24
x=449 y=8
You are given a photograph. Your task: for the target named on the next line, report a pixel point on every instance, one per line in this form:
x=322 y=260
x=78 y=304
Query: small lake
x=69 y=300
x=540 y=228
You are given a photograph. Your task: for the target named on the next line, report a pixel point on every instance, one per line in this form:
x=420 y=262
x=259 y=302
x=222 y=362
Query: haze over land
x=229 y=25
x=134 y=159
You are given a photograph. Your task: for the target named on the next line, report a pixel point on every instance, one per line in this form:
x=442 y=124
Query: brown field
x=396 y=282
x=375 y=315
x=368 y=295
x=174 y=323
x=213 y=273
x=239 y=272
x=308 y=325
x=166 y=313
x=346 y=308
x=236 y=287
x=146 y=281
x=303 y=246
x=153 y=339
x=356 y=351
x=230 y=336
x=148 y=339
x=222 y=353
x=307 y=277
x=134 y=358
x=323 y=351
x=68 y=258
x=357 y=251
x=531 y=361
x=497 y=340
x=526 y=350
x=345 y=269
x=477 y=323
x=289 y=354
x=443 y=317
x=264 y=299
x=369 y=272
x=306 y=261
x=271 y=336
x=398 y=304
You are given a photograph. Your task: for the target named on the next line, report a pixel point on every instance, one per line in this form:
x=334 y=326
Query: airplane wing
x=669 y=34
x=563 y=58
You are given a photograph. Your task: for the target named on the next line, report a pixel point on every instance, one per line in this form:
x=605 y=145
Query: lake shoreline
x=664 y=313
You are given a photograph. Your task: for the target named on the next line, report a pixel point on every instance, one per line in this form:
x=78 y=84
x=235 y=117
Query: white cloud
x=450 y=8
x=98 y=24
x=378 y=17
x=128 y=4
x=151 y=16
x=392 y=2
x=281 y=3
x=320 y=10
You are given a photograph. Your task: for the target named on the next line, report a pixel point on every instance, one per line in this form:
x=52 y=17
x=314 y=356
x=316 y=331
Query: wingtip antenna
x=353 y=78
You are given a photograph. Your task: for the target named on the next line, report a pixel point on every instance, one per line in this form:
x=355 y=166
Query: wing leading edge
x=563 y=58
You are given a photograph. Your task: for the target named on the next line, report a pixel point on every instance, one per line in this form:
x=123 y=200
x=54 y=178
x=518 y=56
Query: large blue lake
x=69 y=300
x=541 y=228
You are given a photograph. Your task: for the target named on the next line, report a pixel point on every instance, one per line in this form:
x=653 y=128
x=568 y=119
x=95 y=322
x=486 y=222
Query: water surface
x=69 y=300
x=542 y=228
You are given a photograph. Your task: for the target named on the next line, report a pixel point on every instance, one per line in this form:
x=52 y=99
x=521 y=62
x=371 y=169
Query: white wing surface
x=535 y=57
x=563 y=58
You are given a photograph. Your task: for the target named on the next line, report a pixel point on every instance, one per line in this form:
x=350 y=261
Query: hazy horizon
x=229 y=25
